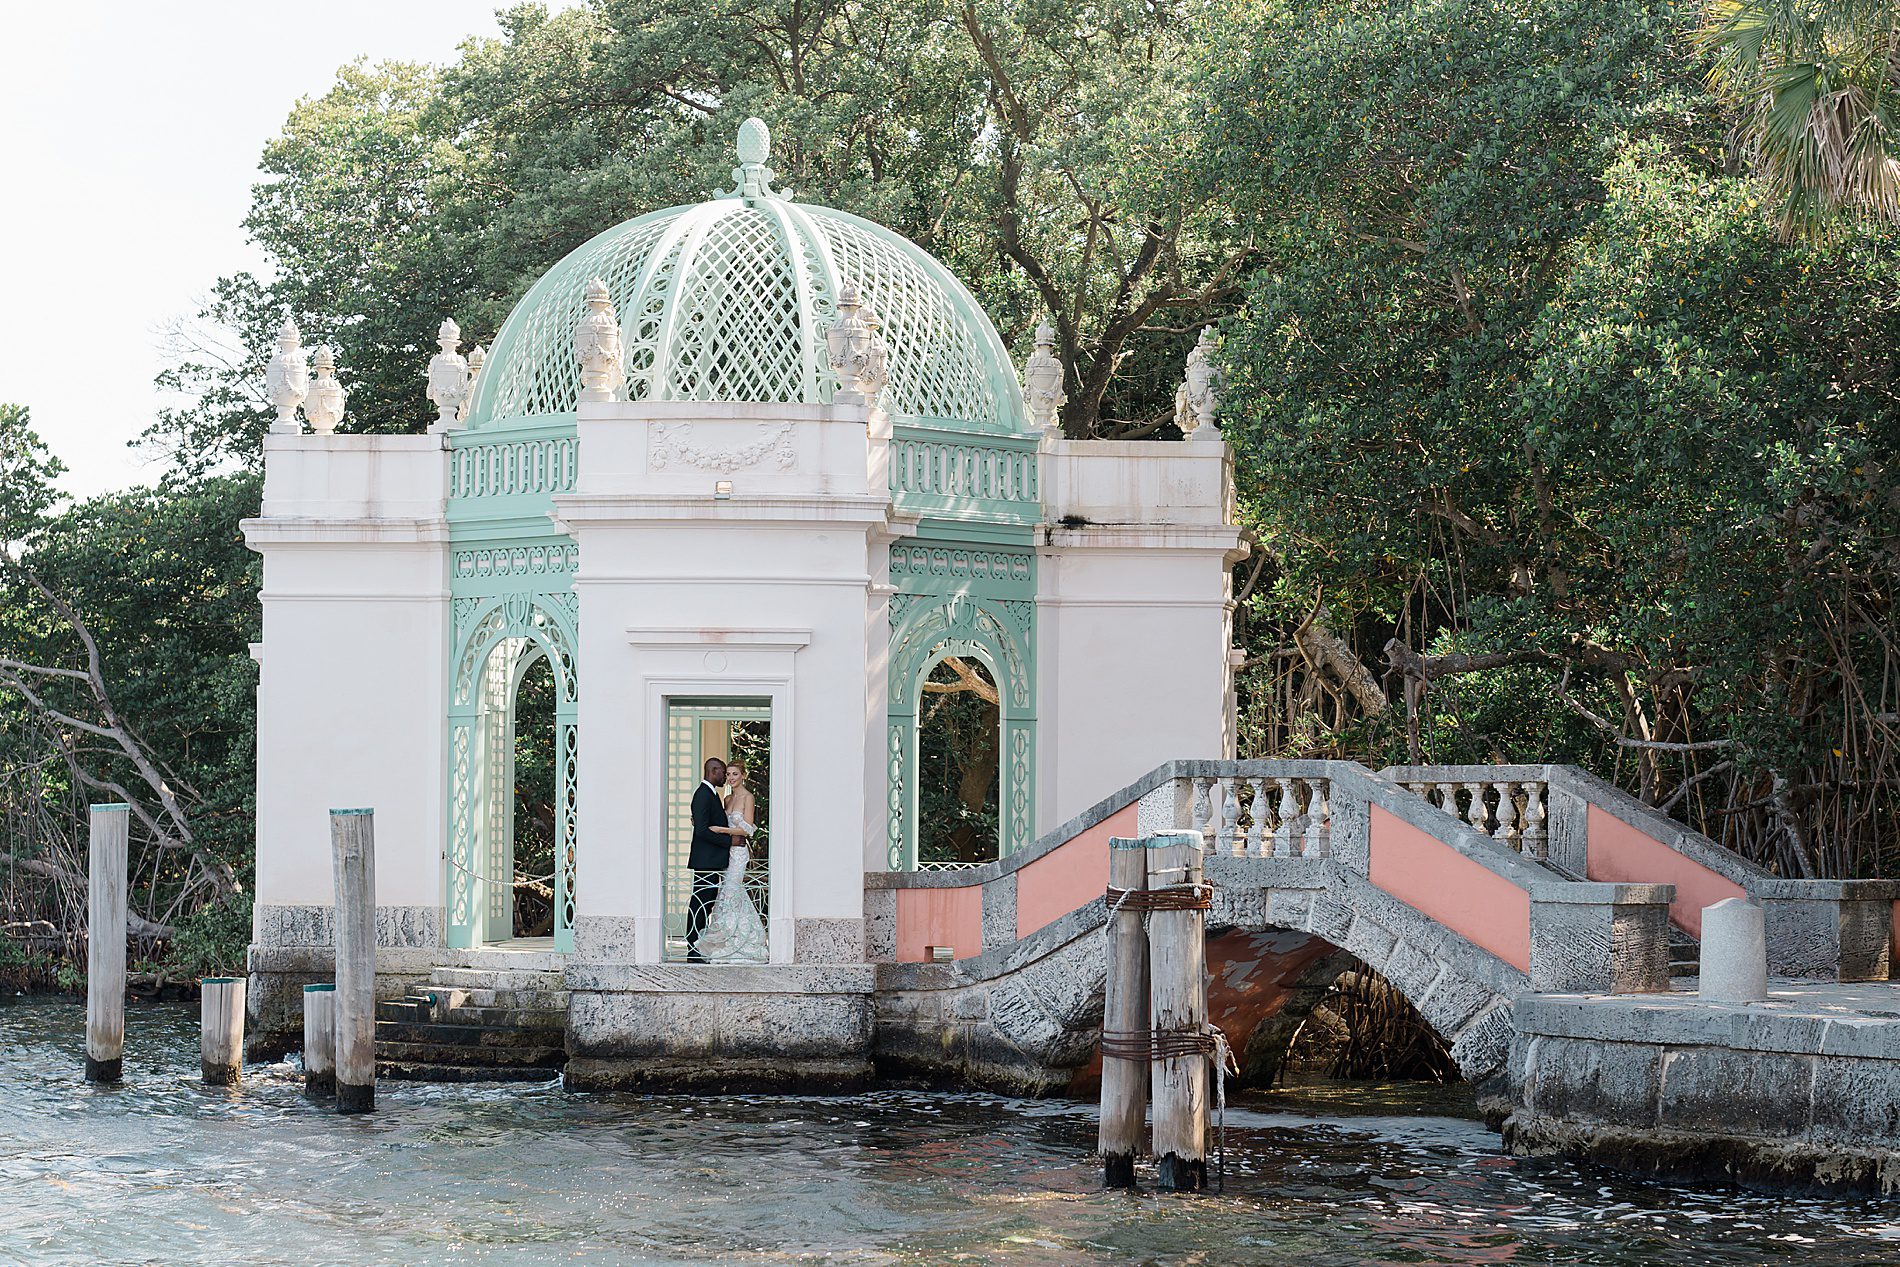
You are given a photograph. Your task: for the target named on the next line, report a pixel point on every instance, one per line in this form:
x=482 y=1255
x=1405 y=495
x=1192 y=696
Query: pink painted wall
x=1470 y=899
x=939 y=917
x=1620 y=854
x=1070 y=876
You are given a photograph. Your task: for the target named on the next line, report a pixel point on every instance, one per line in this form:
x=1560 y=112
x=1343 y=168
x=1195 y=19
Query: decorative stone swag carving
x=448 y=378
x=287 y=378
x=671 y=442
x=597 y=345
x=1042 y=382
x=323 y=408
x=856 y=346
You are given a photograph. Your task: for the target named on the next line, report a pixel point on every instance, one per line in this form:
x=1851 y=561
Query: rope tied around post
x=1173 y=897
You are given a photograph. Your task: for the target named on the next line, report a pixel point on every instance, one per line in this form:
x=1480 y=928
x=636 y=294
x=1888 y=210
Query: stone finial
x=287 y=378
x=597 y=345
x=448 y=377
x=475 y=359
x=1042 y=382
x=1197 y=399
x=752 y=179
x=324 y=407
x=856 y=346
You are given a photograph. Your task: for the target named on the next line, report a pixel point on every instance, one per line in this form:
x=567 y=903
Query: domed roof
x=730 y=299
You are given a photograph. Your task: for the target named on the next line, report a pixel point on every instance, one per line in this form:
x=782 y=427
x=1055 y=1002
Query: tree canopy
x=1559 y=340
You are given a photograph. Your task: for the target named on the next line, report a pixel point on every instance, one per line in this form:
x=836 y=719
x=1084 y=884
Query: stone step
x=469 y=1035
x=495 y=958
x=518 y=1000
x=473 y=979
x=1685 y=954
x=408 y=1071
x=432 y=1053
x=520 y=1018
x=410 y=1009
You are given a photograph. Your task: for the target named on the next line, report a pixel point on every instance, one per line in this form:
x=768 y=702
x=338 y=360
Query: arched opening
x=959 y=764
x=510 y=864
x=535 y=779
x=1296 y=1007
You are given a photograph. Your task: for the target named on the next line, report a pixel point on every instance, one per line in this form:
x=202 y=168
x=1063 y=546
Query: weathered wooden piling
x=1125 y=1048
x=353 y=846
x=319 y=1040
x=1177 y=965
x=109 y=826
x=221 y=1030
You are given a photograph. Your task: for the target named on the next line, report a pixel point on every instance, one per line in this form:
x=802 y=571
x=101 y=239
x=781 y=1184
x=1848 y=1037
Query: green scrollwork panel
x=496 y=638
x=975 y=602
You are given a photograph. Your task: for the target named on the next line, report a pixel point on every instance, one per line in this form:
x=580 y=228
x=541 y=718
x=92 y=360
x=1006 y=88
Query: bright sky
x=133 y=131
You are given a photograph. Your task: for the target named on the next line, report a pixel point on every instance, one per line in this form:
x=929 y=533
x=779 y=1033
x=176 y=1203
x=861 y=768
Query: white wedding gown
x=734 y=932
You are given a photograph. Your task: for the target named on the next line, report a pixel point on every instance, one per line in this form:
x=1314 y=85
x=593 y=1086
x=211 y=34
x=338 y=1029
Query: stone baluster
x=1504 y=830
x=1319 y=820
x=1445 y=796
x=1287 y=811
x=1258 y=811
x=1203 y=810
x=1476 y=813
x=1229 y=815
x=1535 y=842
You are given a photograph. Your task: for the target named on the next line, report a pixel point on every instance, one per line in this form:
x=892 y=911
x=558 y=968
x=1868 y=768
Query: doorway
x=729 y=728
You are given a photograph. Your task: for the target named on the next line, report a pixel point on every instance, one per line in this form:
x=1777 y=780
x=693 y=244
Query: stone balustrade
x=1510 y=804
x=1263 y=816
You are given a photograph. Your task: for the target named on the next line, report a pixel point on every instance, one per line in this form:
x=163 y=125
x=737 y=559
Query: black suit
x=711 y=852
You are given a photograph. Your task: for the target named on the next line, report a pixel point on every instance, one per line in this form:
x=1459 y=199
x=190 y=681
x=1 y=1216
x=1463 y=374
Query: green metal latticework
x=730 y=300
x=974 y=601
x=498 y=638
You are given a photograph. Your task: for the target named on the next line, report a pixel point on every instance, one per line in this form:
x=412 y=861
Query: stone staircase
x=494 y=1016
x=1685 y=955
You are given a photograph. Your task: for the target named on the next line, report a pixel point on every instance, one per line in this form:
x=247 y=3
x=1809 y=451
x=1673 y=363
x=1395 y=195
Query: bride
x=734 y=931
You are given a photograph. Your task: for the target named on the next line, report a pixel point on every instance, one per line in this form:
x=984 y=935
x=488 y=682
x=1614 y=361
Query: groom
x=711 y=851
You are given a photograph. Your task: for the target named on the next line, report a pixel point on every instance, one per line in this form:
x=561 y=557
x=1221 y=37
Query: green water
x=163 y=1170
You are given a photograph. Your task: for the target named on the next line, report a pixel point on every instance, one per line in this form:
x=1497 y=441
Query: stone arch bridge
x=1536 y=916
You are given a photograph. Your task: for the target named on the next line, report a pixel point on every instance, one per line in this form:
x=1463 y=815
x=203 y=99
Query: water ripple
x=163 y=1170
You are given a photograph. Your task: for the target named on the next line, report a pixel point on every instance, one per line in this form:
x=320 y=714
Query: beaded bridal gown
x=734 y=932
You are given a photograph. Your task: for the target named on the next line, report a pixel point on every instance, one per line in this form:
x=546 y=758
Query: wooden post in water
x=319 y=1040
x=221 y=1030
x=1177 y=964
x=105 y=941
x=353 y=845
x=1125 y=1016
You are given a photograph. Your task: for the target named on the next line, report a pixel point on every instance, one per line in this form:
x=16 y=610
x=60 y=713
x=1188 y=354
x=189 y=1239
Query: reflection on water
x=163 y=1170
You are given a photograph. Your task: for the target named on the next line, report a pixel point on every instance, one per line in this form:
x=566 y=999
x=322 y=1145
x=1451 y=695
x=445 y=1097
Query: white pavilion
x=747 y=470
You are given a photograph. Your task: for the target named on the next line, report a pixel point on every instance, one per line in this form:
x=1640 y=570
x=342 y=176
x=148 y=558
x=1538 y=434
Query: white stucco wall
x=350 y=707
x=1134 y=620
x=761 y=592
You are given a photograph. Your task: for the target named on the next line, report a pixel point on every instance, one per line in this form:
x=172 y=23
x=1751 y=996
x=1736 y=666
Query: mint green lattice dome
x=729 y=300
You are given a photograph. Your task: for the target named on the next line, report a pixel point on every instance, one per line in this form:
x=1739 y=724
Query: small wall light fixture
x=722 y=490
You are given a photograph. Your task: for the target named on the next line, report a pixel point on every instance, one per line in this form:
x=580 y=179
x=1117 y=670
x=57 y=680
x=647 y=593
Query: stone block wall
x=1800 y=1092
